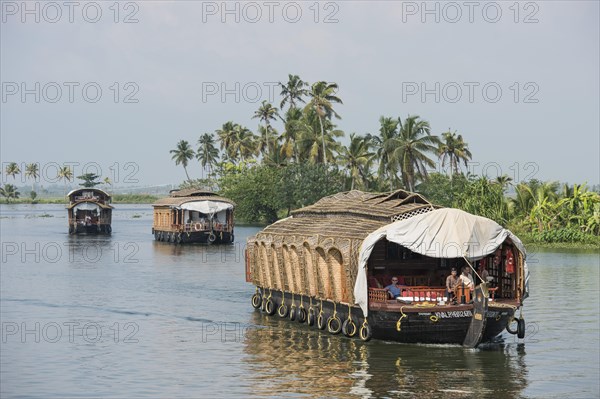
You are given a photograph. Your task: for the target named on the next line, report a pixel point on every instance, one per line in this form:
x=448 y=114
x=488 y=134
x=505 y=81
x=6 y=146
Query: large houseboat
x=192 y=215
x=329 y=263
x=89 y=211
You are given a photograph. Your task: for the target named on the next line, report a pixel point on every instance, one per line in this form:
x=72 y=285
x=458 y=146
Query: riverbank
x=116 y=199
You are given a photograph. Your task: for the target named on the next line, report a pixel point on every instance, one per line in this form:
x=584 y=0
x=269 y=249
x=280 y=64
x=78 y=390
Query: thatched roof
x=352 y=214
x=179 y=197
x=94 y=191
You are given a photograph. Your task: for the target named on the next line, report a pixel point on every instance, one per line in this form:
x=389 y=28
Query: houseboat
x=328 y=264
x=192 y=215
x=89 y=211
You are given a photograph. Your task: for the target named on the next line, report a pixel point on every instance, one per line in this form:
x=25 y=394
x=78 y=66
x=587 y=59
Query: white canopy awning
x=87 y=206
x=207 y=207
x=442 y=233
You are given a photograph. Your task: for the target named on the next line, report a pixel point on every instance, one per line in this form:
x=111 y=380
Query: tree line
x=272 y=170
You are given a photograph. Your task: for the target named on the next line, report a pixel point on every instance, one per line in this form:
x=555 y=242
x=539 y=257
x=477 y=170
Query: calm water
x=124 y=316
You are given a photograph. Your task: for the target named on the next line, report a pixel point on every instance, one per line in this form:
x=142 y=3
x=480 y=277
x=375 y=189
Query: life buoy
x=334 y=325
x=293 y=312
x=301 y=317
x=310 y=318
x=211 y=237
x=256 y=300
x=321 y=321
x=349 y=328
x=282 y=311
x=365 y=332
x=510 y=261
x=197 y=226
x=270 y=307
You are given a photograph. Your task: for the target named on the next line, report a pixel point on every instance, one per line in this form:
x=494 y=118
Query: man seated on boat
x=451 y=283
x=465 y=279
x=394 y=289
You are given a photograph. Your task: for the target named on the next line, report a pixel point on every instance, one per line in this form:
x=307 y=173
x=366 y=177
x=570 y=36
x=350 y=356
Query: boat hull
x=93 y=229
x=203 y=237
x=445 y=324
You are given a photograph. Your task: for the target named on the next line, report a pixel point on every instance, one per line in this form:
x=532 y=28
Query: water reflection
x=290 y=358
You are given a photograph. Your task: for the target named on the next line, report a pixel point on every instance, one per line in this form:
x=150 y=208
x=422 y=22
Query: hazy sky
x=519 y=81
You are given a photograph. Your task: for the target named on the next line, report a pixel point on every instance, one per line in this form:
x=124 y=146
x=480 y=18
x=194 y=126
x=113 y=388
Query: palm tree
x=9 y=191
x=413 y=142
x=266 y=113
x=504 y=181
x=32 y=170
x=65 y=174
x=241 y=143
x=293 y=91
x=182 y=155
x=311 y=136
x=207 y=153
x=385 y=144
x=12 y=169
x=453 y=149
x=291 y=133
x=356 y=157
x=322 y=96
x=226 y=135
x=108 y=182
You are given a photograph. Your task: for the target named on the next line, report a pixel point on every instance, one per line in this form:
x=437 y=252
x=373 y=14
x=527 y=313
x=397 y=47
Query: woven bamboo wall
x=316 y=266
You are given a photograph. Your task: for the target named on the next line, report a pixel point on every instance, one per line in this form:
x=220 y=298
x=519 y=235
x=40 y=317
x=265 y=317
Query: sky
x=110 y=87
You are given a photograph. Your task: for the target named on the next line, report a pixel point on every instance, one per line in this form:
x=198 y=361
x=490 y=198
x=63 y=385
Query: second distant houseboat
x=192 y=215
x=89 y=211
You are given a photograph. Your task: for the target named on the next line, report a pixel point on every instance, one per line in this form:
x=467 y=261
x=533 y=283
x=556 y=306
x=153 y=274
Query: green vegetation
x=133 y=198
x=89 y=180
x=268 y=174
x=9 y=192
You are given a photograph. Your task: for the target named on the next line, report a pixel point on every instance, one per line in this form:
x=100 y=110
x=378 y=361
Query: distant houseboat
x=327 y=265
x=89 y=211
x=193 y=216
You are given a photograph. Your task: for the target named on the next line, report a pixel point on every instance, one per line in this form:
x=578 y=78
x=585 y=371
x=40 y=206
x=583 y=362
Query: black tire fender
x=521 y=328
x=282 y=310
x=310 y=317
x=256 y=300
x=321 y=321
x=301 y=317
x=365 y=332
x=334 y=325
x=293 y=312
x=349 y=328
x=511 y=331
x=270 y=307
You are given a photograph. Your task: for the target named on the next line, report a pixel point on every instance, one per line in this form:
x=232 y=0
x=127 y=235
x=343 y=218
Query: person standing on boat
x=451 y=283
x=395 y=289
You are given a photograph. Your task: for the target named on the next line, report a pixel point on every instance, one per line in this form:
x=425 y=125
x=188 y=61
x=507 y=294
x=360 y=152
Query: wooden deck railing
x=414 y=294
